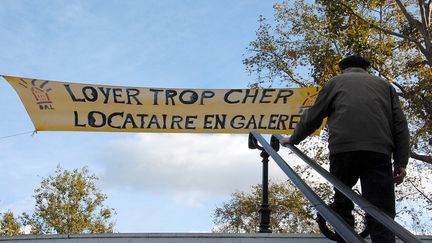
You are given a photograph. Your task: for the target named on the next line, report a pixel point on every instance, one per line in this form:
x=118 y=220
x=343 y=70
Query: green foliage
x=9 y=225
x=308 y=38
x=290 y=212
x=69 y=202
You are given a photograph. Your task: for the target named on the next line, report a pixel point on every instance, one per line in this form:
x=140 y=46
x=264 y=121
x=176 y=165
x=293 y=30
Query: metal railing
x=340 y=226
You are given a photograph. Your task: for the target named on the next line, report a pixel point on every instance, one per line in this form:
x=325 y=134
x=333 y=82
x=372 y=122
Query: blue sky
x=156 y=182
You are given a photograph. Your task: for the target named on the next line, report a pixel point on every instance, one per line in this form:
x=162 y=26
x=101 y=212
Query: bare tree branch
x=423 y=12
x=376 y=26
x=424 y=25
x=282 y=68
x=427 y=51
x=424 y=158
x=422 y=29
x=287 y=72
x=337 y=48
x=428 y=13
x=419 y=191
x=407 y=14
x=393 y=82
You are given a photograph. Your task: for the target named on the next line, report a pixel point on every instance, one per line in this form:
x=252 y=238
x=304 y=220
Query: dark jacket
x=364 y=114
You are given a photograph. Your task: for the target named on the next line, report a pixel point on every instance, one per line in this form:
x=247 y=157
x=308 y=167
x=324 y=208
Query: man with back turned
x=366 y=127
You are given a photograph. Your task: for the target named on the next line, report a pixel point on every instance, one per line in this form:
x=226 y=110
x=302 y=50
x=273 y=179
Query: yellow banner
x=63 y=106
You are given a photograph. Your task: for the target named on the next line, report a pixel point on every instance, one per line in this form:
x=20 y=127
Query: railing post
x=264 y=211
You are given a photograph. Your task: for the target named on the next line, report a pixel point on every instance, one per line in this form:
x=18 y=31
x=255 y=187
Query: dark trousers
x=376 y=177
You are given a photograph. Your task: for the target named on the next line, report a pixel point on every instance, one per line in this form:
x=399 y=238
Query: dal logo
x=40 y=92
x=308 y=103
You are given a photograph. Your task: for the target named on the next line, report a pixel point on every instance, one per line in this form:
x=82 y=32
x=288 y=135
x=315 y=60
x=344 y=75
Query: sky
x=156 y=182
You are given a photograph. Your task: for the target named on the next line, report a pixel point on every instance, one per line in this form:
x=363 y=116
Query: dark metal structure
x=342 y=229
x=264 y=211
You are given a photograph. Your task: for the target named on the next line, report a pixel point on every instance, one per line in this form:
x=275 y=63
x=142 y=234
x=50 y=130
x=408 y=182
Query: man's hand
x=285 y=141
x=399 y=175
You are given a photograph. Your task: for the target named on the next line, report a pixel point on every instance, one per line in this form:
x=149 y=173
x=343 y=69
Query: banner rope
x=19 y=134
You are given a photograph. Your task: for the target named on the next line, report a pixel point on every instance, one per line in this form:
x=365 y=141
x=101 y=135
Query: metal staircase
x=257 y=141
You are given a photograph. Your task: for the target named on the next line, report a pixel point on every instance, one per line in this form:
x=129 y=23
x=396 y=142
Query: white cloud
x=190 y=167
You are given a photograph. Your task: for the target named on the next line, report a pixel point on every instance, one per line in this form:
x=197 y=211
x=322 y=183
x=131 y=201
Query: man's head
x=354 y=61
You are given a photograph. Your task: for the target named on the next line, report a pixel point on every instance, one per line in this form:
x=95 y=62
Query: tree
x=69 y=202
x=395 y=35
x=307 y=40
x=290 y=212
x=9 y=225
